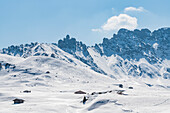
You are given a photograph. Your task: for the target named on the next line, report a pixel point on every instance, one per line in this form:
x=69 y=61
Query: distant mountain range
x=138 y=53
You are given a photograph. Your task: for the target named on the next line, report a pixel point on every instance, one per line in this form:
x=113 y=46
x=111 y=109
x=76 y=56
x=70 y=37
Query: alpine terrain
x=129 y=72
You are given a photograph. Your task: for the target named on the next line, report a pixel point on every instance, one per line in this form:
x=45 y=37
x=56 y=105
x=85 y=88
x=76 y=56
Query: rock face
x=72 y=46
x=136 y=53
x=137 y=44
x=79 y=51
x=22 y=50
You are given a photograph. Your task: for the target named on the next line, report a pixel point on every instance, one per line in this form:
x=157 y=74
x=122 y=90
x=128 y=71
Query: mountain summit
x=139 y=53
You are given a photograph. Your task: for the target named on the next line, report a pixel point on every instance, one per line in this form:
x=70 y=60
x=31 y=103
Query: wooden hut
x=121 y=85
x=79 y=92
x=27 y=91
x=18 y=101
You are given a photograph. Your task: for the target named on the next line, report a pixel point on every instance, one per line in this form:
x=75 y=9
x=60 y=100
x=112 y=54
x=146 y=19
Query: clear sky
x=25 y=21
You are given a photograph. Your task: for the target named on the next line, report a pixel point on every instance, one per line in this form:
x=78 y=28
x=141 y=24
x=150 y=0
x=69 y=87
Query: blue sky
x=25 y=21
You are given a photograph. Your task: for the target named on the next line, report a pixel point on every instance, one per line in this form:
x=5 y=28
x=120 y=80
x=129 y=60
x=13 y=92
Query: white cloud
x=139 y=9
x=96 y=30
x=120 y=21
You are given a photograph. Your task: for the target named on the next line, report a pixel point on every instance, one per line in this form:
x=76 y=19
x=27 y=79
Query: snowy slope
x=133 y=53
x=53 y=72
x=117 y=67
x=54 y=91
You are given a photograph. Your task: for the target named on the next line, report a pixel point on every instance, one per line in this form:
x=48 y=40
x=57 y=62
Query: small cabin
x=121 y=85
x=130 y=87
x=79 y=92
x=47 y=72
x=27 y=91
x=93 y=93
x=18 y=101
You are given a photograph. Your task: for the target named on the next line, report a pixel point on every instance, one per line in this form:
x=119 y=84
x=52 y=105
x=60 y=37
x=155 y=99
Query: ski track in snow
x=162 y=102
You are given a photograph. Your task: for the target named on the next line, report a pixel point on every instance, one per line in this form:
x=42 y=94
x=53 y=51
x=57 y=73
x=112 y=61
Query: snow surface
x=139 y=60
x=54 y=92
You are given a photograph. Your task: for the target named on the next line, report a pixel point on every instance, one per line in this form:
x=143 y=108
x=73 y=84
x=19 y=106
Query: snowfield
x=53 y=81
x=130 y=72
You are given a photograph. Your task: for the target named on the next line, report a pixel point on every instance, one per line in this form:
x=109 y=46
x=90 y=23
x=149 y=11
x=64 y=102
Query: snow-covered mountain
x=139 y=53
x=139 y=60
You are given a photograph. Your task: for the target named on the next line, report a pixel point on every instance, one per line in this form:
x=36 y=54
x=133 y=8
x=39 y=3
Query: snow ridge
x=138 y=53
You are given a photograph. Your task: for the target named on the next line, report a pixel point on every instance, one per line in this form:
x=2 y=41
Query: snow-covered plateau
x=129 y=72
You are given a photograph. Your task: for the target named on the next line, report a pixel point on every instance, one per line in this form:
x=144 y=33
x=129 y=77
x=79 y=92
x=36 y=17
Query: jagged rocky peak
x=136 y=34
x=70 y=45
x=121 y=51
x=162 y=42
x=19 y=50
x=144 y=32
x=79 y=51
x=162 y=34
x=67 y=44
x=139 y=44
x=127 y=44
